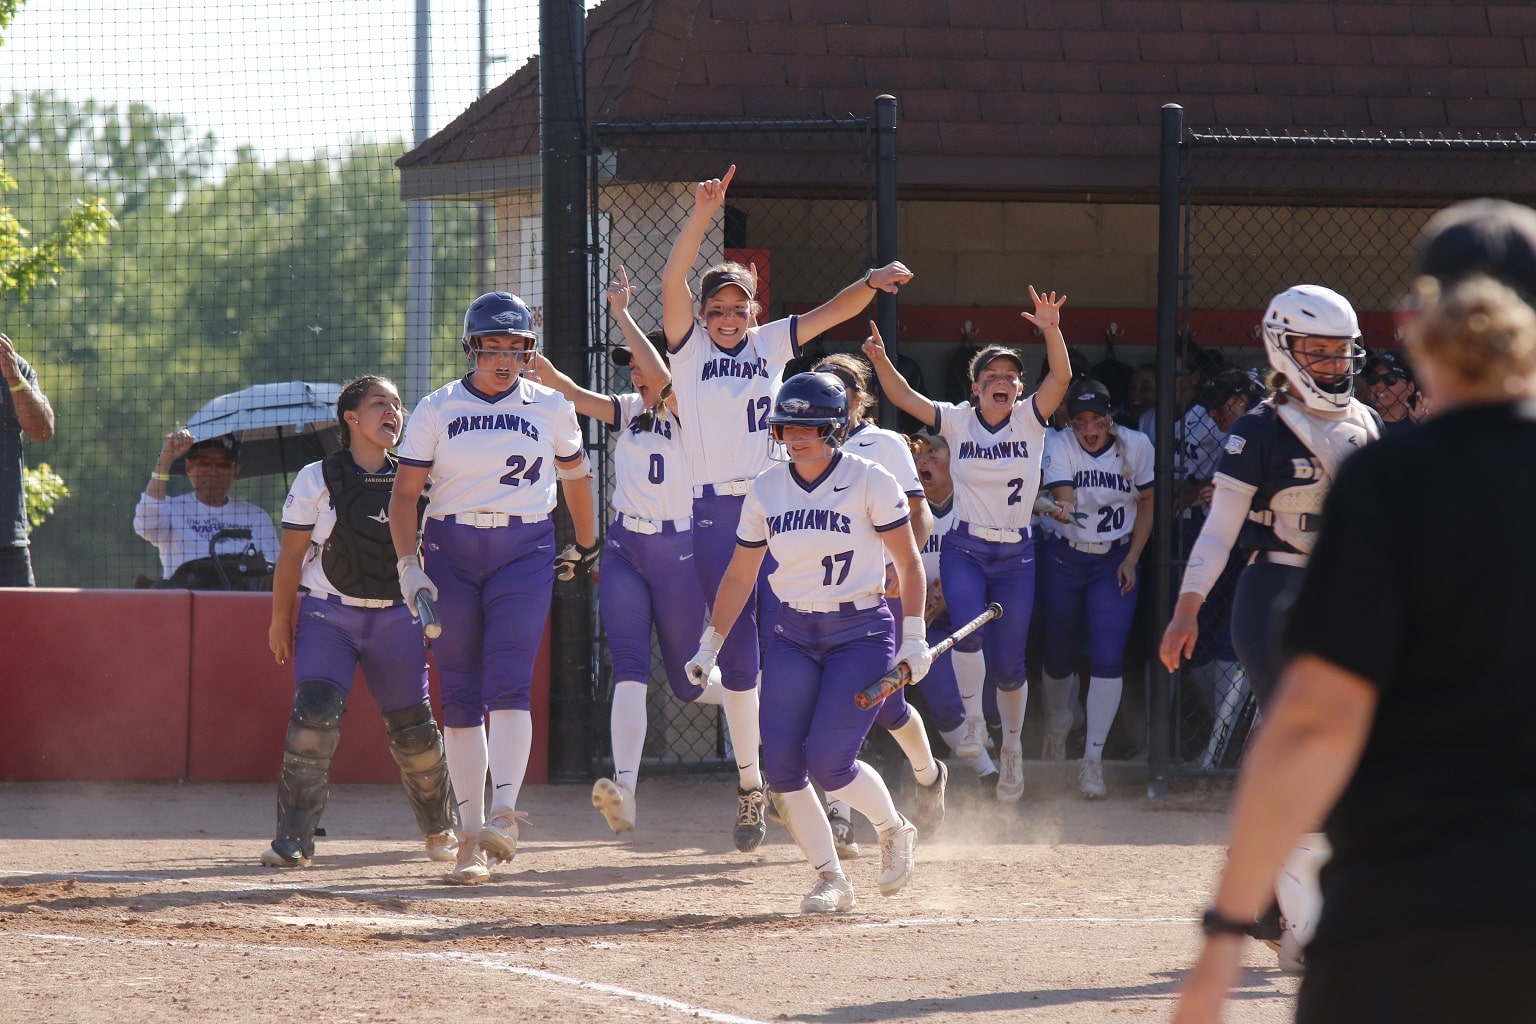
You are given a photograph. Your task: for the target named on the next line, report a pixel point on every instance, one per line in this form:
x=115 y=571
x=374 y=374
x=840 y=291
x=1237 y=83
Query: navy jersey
x=1263 y=458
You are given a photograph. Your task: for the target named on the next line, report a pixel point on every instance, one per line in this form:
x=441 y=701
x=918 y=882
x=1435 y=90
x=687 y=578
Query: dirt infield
x=139 y=903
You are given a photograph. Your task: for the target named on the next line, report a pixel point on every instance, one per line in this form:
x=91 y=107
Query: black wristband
x=867 y=274
x=1213 y=923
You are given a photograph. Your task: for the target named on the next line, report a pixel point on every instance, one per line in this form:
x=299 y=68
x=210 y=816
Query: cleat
x=443 y=847
x=896 y=849
x=928 y=803
x=616 y=802
x=751 y=826
x=1010 y=775
x=285 y=853
x=832 y=894
x=1054 y=748
x=842 y=836
x=498 y=839
x=470 y=866
x=1290 y=955
x=1090 y=779
x=973 y=738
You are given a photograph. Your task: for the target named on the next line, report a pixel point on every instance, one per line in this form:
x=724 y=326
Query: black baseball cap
x=622 y=356
x=718 y=279
x=225 y=443
x=1088 y=396
x=1482 y=236
x=1384 y=364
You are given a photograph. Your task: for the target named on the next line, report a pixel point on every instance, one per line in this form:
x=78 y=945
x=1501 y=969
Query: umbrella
x=281 y=427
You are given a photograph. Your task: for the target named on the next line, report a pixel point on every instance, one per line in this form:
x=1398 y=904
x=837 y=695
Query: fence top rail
x=846 y=124
x=1264 y=139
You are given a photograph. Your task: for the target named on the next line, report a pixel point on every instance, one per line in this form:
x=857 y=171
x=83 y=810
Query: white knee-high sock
x=626 y=727
x=807 y=823
x=913 y=740
x=1058 y=704
x=466 y=753
x=511 y=743
x=1010 y=708
x=867 y=795
x=741 y=715
x=1103 y=702
x=970 y=677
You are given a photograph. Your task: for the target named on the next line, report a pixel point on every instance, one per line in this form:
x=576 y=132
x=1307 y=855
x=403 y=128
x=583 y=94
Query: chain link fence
x=1245 y=237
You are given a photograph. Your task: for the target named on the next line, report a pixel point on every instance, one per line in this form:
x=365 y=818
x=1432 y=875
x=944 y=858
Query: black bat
x=901 y=675
x=431 y=625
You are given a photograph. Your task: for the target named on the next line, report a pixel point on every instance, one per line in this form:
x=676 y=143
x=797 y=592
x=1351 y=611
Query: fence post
x=885 y=234
x=1160 y=691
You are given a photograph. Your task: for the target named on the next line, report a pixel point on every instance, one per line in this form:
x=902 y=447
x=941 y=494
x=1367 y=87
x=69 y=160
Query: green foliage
x=43 y=489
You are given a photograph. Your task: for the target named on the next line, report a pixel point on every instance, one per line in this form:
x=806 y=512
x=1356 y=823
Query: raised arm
x=676 y=298
x=588 y=403
x=895 y=386
x=1047 y=317
x=644 y=354
x=850 y=302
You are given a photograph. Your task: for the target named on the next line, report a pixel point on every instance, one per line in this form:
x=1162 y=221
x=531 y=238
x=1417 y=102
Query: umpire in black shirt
x=1407 y=714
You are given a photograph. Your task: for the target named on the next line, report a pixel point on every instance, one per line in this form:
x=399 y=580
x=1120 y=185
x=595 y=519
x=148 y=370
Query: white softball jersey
x=825 y=535
x=308 y=506
x=996 y=470
x=890 y=451
x=181 y=527
x=650 y=473
x=1106 y=482
x=724 y=398
x=943 y=522
x=492 y=453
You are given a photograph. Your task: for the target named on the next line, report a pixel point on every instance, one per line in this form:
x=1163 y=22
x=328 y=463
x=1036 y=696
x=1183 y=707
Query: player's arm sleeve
x=1208 y=557
x=1142 y=461
x=301 y=509
x=1056 y=463
x=570 y=448
x=419 y=445
x=884 y=501
x=621 y=415
x=752 y=528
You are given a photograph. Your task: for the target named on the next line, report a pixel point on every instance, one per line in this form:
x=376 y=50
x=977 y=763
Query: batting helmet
x=496 y=313
x=810 y=400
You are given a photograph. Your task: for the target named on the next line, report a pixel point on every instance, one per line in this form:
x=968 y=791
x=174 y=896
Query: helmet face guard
x=809 y=400
x=1312 y=311
x=498 y=314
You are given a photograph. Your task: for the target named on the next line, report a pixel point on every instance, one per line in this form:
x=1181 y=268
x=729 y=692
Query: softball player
x=492 y=445
x=726 y=372
x=940 y=695
x=890 y=450
x=988 y=555
x=336 y=546
x=646 y=580
x=1100 y=475
x=828 y=518
x=1277 y=465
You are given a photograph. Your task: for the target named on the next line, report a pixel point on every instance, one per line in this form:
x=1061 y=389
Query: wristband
x=913 y=627
x=1213 y=923
x=867 y=274
x=164 y=478
x=20 y=386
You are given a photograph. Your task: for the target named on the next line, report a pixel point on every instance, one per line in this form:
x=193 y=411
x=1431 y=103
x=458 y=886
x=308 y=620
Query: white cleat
x=1090 y=779
x=832 y=894
x=499 y=836
x=1010 y=775
x=973 y=738
x=442 y=847
x=616 y=802
x=470 y=865
x=897 y=847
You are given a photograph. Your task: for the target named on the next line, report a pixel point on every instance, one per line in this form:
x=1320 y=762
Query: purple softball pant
x=333 y=640
x=646 y=581
x=975 y=572
x=714 y=544
x=493 y=595
x=815 y=663
x=1080 y=596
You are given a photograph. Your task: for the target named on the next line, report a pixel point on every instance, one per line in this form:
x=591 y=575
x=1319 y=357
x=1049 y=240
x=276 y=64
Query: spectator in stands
x=1392 y=390
x=24 y=411
x=183 y=527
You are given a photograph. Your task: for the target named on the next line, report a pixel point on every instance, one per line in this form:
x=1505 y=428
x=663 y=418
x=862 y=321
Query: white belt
x=360 y=602
x=635 y=524
x=490 y=520
x=995 y=534
x=1096 y=547
x=1279 y=558
x=862 y=604
x=735 y=488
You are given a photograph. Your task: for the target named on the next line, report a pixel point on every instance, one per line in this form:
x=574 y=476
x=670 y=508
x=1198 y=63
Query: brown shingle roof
x=1039 y=95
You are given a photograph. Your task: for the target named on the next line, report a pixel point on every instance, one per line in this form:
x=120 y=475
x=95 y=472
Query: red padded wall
x=94 y=684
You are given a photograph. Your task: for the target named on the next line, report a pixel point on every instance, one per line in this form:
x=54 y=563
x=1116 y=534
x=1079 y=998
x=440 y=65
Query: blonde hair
x=1477 y=330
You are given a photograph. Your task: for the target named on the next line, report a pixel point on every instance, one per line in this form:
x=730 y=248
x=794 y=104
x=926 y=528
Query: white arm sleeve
x=1208 y=557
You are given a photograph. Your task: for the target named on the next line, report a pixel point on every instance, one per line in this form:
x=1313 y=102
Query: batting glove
x=914 y=647
x=576 y=562
x=413 y=579
x=703 y=663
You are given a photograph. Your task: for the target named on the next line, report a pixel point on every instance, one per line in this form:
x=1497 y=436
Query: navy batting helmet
x=811 y=400
x=496 y=313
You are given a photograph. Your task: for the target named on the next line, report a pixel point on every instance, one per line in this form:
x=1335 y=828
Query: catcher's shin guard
x=417 y=745
x=1298 y=891
x=313 y=732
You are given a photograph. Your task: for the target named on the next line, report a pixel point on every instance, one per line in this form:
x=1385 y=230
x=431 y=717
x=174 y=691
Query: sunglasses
x=1388 y=378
